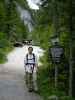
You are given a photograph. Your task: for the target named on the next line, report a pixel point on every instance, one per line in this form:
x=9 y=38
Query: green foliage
x=55 y=15
x=2 y=56
x=5 y=47
x=2 y=16
x=11 y=27
x=10 y=21
x=42 y=34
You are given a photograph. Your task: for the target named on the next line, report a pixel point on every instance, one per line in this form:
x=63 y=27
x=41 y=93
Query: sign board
x=56 y=53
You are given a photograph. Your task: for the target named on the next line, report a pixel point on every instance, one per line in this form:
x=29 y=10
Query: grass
x=4 y=52
x=46 y=85
x=46 y=90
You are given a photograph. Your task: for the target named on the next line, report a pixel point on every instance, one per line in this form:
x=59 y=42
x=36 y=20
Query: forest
x=54 y=18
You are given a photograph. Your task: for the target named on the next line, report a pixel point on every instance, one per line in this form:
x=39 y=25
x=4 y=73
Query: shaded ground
x=12 y=85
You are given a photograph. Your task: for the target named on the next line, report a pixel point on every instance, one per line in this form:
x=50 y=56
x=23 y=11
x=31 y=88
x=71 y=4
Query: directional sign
x=56 y=53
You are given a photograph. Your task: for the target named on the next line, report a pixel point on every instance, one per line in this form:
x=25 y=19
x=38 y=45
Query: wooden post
x=70 y=72
x=56 y=32
x=56 y=76
x=70 y=49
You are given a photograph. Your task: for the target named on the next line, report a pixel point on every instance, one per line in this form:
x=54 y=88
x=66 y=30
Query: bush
x=2 y=56
x=5 y=47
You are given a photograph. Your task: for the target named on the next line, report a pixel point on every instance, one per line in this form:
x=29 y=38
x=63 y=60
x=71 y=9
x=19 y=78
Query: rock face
x=26 y=17
x=34 y=4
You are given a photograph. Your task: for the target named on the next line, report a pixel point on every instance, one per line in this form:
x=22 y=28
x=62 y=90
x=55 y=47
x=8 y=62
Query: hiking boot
x=35 y=90
x=30 y=90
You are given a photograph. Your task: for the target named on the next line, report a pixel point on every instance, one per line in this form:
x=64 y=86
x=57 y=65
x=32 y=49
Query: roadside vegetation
x=12 y=28
x=49 y=19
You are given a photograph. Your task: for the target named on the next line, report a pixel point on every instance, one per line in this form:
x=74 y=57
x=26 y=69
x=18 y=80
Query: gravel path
x=12 y=85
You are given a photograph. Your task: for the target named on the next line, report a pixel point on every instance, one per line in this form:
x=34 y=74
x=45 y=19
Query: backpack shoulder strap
x=27 y=57
x=34 y=56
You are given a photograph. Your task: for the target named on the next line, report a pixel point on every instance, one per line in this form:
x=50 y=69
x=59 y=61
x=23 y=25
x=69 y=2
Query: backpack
x=28 y=59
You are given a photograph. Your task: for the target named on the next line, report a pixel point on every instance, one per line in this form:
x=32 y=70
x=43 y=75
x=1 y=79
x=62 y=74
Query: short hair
x=30 y=48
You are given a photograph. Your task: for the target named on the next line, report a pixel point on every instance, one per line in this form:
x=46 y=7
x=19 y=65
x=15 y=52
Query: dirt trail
x=12 y=85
